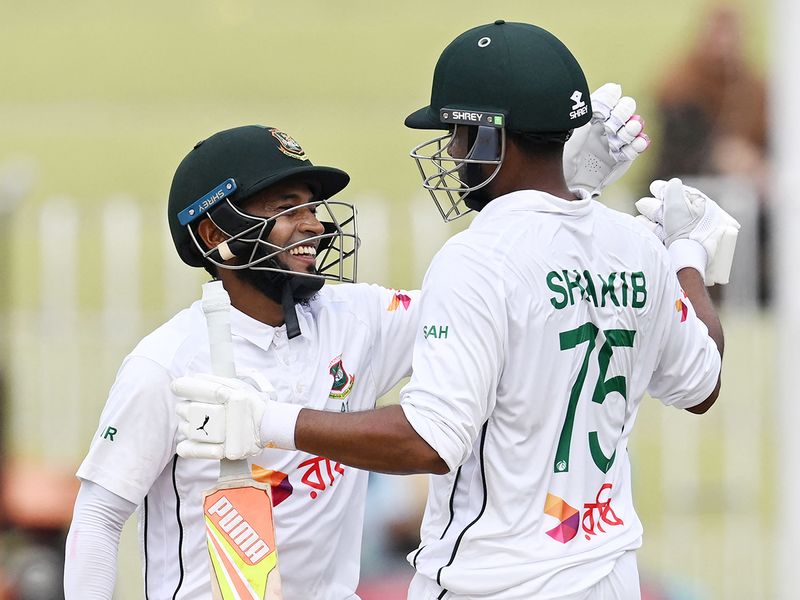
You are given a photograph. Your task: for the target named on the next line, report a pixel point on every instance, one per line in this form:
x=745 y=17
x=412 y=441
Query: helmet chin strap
x=289 y=311
x=286 y=289
x=485 y=144
x=476 y=199
x=294 y=289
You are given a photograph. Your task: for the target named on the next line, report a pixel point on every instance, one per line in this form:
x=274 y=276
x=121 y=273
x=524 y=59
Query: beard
x=271 y=284
x=476 y=199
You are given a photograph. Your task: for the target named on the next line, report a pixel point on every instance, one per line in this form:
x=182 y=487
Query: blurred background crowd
x=100 y=102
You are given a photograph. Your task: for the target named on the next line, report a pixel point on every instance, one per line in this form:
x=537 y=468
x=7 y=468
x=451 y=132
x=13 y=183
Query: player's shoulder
x=628 y=230
x=344 y=296
x=354 y=298
x=470 y=243
x=176 y=341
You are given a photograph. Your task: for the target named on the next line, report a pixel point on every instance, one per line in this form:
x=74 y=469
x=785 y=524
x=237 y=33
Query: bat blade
x=241 y=540
x=240 y=532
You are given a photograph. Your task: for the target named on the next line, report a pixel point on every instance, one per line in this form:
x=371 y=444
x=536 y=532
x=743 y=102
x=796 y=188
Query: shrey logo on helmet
x=579 y=108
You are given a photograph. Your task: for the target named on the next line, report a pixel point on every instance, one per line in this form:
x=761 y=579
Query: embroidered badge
x=288 y=145
x=342 y=382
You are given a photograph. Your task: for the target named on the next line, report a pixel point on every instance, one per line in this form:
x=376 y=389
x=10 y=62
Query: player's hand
x=221 y=418
x=696 y=231
x=600 y=152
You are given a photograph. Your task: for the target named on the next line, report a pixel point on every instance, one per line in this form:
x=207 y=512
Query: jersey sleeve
x=136 y=436
x=458 y=352
x=689 y=363
x=398 y=317
x=90 y=557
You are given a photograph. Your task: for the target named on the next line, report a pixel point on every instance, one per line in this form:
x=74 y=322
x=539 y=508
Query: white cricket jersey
x=355 y=345
x=541 y=328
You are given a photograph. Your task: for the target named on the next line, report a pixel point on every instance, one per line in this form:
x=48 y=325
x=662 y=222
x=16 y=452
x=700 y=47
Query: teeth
x=310 y=250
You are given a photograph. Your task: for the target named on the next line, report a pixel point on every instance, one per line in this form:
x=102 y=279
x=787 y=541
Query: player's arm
x=90 y=565
x=376 y=440
x=700 y=238
x=241 y=420
x=133 y=443
x=441 y=413
x=397 y=315
x=692 y=284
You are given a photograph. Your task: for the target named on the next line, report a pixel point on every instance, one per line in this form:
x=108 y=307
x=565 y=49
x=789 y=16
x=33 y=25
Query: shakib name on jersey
x=620 y=289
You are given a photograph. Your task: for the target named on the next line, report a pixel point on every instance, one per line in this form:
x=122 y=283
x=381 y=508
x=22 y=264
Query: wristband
x=277 y=425
x=685 y=253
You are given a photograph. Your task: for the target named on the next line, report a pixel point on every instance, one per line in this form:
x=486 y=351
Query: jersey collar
x=260 y=334
x=536 y=201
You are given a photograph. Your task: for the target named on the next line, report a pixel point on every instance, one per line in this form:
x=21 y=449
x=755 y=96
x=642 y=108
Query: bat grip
x=217 y=308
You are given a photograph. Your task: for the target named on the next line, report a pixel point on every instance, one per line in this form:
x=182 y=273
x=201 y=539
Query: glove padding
x=679 y=212
x=222 y=416
x=600 y=152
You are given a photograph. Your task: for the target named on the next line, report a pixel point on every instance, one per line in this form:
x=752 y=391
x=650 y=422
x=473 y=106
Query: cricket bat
x=238 y=510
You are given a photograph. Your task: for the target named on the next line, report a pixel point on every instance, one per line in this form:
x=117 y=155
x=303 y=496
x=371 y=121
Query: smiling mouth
x=303 y=251
x=302 y=255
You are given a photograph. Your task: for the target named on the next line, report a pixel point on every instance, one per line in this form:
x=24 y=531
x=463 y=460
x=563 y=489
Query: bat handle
x=217 y=308
x=233 y=469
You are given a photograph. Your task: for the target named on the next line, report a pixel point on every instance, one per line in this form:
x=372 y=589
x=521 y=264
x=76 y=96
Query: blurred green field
x=109 y=96
x=106 y=98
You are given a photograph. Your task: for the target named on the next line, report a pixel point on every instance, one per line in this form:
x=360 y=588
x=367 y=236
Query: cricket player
x=540 y=329
x=249 y=206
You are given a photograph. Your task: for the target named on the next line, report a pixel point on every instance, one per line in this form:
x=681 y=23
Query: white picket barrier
x=107 y=275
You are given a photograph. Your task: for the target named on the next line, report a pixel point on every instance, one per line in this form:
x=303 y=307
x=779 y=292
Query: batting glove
x=600 y=152
x=230 y=418
x=696 y=231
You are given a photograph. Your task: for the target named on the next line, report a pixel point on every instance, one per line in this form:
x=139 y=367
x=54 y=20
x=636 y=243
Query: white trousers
x=621 y=584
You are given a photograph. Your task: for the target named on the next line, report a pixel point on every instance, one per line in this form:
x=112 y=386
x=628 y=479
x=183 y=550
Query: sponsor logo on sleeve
x=438 y=332
x=399 y=299
x=681 y=307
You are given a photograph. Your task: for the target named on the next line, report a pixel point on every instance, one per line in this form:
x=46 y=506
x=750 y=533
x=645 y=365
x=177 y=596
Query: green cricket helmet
x=216 y=178
x=494 y=79
x=229 y=167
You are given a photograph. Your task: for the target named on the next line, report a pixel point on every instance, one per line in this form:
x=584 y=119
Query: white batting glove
x=600 y=152
x=696 y=231
x=226 y=417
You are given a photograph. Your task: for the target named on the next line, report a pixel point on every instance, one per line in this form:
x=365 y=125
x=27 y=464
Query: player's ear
x=210 y=234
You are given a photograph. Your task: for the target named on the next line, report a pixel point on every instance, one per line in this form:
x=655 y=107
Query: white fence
x=89 y=281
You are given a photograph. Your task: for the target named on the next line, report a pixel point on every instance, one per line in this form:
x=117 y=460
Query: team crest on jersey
x=288 y=145
x=399 y=299
x=342 y=383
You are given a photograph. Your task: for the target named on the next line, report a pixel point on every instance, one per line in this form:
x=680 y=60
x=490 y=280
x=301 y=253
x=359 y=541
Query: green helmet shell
x=517 y=69
x=255 y=157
